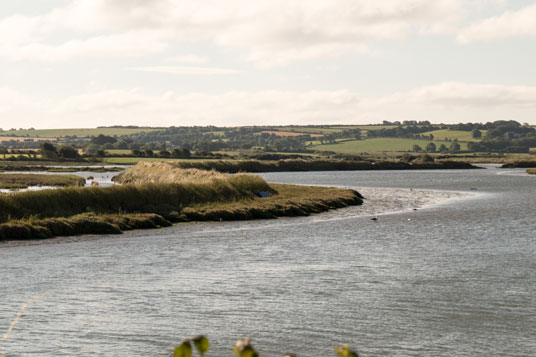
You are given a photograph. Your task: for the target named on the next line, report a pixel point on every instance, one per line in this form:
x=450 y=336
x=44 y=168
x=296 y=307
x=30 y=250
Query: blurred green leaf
x=201 y=344
x=183 y=350
x=345 y=351
x=243 y=348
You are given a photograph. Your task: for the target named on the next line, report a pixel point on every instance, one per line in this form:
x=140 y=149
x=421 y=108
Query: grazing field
x=81 y=133
x=18 y=138
x=289 y=133
x=331 y=129
x=134 y=160
x=454 y=134
x=380 y=145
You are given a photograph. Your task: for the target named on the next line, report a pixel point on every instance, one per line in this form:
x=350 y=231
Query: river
x=447 y=269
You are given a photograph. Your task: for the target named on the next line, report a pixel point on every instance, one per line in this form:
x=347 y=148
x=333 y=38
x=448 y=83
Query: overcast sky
x=87 y=63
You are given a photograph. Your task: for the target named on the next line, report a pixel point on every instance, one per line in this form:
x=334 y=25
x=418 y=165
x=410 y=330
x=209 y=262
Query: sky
x=88 y=63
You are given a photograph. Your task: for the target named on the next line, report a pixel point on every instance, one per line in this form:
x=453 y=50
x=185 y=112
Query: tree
x=164 y=153
x=476 y=134
x=417 y=148
x=443 y=148
x=454 y=147
x=3 y=151
x=103 y=139
x=68 y=152
x=431 y=147
x=49 y=151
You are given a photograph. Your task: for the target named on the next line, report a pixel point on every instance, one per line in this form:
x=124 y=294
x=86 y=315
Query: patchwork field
x=454 y=134
x=380 y=144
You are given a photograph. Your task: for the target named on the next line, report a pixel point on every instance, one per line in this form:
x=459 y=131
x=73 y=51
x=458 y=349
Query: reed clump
x=531 y=171
x=25 y=180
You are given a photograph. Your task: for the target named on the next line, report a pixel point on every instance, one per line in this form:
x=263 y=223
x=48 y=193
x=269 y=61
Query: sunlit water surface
x=457 y=276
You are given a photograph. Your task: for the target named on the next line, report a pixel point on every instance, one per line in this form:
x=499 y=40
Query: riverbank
x=21 y=181
x=234 y=166
x=201 y=196
x=519 y=164
x=57 y=168
x=531 y=171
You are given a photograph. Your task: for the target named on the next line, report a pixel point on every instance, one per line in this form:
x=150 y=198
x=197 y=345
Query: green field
x=134 y=160
x=380 y=145
x=81 y=133
x=454 y=134
x=119 y=152
x=329 y=129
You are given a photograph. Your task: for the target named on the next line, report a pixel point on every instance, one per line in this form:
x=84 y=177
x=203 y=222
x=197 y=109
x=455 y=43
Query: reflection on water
x=102 y=179
x=455 y=277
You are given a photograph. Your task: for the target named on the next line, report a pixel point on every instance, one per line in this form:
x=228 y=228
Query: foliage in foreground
x=242 y=348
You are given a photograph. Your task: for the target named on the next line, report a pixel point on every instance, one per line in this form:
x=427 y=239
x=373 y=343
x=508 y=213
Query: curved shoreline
x=290 y=201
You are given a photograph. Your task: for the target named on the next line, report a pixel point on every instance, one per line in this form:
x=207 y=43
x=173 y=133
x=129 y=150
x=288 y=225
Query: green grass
x=25 y=180
x=380 y=145
x=330 y=129
x=118 y=152
x=81 y=133
x=133 y=160
x=454 y=134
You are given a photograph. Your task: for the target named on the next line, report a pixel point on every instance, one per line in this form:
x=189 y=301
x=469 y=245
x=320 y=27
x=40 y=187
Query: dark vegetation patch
x=519 y=164
x=316 y=165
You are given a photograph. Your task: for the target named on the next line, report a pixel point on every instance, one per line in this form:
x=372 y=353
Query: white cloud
x=185 y=70
x=443 y=102
x=187 y=59
x=271 y=32
x=474 y=95
x=126 y=44
x=509 y=24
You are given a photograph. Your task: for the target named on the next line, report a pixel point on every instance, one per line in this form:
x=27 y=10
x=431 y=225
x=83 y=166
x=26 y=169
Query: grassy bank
x=519 y=164
x=15 y=166
x=234 y=166
x=290 y=201
x=147 y=198
x=11 y=181
x=157 y=195
x=531 y=171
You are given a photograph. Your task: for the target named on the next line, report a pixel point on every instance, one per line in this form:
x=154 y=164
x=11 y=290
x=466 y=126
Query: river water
x=456 y=277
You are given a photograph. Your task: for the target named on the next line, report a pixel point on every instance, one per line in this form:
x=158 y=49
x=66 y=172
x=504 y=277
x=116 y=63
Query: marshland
x=159 y=194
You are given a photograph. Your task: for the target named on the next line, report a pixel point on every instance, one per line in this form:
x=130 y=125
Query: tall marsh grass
x=154 y=196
